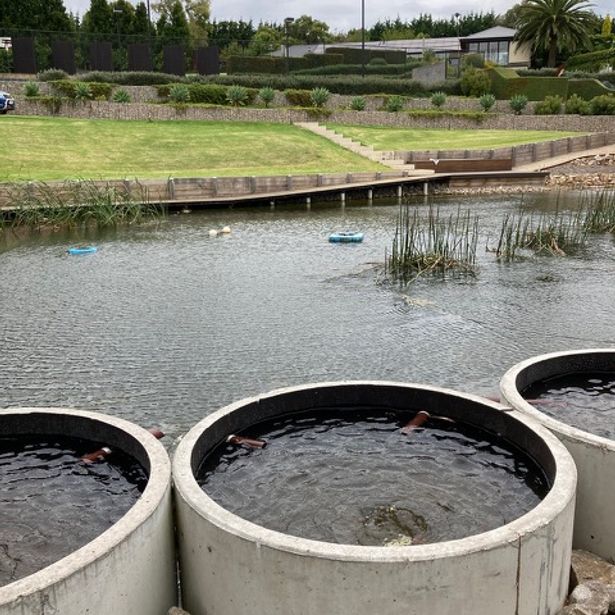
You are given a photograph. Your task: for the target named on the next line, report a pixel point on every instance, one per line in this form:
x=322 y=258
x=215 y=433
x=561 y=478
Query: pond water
x=52 y=503
x=164 y=324
x=442 y=481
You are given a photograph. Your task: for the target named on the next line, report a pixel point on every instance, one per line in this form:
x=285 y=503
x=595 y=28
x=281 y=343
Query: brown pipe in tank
x=105 y=451
x=249 y=442
x=419 y=418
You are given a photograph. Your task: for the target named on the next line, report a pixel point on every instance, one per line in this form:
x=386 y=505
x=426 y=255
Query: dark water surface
x=165 y=324
x=582 y=400
x=51 y=503
x=352 y=477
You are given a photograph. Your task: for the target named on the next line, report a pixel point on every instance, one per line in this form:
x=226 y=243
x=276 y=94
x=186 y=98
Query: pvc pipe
x=420 y=417
x=249 y=442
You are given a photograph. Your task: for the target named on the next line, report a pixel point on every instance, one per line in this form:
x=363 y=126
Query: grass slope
x=36 y=148
x=399 y=139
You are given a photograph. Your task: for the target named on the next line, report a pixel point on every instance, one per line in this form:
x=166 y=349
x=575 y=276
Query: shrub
x=603 y=105
x=358 y=103
x=551 y=105
x=474 y=82
x=537 y=72
x=298 y=98
x=575 y=104
x=486 y=102
x=212 y=93
x=121 y=96
x=53 y=74
x=394 y=103
x=31 y=89
x=132 y=78
x=237 y=95
x=319 y=97
x=83 y=91
x=267 y=95
x=357 y=69
x=476 y=60
x=356 y=55
x=179 y=93
x=438 y=99
x=377 y=62
x=350 y=85
x=6 y=61
x=101 y=91
x=518 y=103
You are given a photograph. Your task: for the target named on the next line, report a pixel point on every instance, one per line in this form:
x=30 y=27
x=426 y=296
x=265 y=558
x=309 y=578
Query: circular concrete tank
x=594 y=529
x=231 y=566
x=129 y=568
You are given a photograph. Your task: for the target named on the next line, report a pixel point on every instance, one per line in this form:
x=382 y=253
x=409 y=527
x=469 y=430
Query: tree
x=98 y=20
x=306 y=29
x=266 y=40
x=198 y=12
x=554 y=26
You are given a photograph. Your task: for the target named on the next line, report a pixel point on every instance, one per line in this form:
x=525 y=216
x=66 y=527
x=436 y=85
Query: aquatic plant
x=434 y=245
x=598 y=212
x=77 y=203
x=550 y=234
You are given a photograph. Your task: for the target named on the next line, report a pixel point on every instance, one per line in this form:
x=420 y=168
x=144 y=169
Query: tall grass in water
x=80 y=203
x=554 y=234
x=598 y=211
x=435 y=245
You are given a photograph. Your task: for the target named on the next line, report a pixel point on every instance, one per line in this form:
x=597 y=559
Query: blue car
x=7 y=102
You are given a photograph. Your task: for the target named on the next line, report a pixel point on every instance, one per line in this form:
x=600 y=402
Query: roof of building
x=495 y=32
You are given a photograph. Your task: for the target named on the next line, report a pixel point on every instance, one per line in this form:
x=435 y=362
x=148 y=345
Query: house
x=496 y=44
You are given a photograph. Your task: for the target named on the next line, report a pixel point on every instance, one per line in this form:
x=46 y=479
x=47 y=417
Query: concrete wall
x=129 y=568
x=233 y=567
x=594 y=529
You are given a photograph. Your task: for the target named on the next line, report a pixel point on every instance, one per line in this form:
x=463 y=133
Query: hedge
x=131 y=78
x=209 y=94
x=506 y=83
x=586 y=88
x=349 y=85
x=356 y=55
x=277 y=66
x=590 y=61
x=357 y=69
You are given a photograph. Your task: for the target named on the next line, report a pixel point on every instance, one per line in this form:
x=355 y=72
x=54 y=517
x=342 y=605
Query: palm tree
x=554 y=25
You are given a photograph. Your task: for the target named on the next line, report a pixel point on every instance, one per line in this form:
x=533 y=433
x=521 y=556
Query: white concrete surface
x=594 y=528
x=233 y=567
x=130 y=568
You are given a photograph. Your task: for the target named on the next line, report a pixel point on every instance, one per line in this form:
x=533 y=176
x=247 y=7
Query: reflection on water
x=165 y=324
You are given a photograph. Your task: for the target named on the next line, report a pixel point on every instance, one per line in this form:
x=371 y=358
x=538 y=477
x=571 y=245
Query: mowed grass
x=36 y=148
x=399 y=139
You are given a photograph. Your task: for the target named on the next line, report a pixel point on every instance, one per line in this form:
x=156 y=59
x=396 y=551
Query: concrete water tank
x=230 y=566
x=130 y=567
x=594 y=455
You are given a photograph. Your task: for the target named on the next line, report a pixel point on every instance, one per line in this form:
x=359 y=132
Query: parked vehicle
x=7 y=102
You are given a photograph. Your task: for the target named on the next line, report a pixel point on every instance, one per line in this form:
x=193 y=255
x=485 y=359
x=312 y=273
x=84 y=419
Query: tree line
x=189 y=23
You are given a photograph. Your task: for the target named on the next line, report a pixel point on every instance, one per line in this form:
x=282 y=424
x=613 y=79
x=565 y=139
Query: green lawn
x=399 y=139
x=36 y=148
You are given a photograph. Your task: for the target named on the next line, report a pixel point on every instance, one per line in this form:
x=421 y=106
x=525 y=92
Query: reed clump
x=555 y=235
x=598 y=212
x=435 y=245
x=80 y=203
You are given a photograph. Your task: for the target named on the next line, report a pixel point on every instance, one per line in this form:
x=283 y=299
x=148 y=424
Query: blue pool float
x=82 y=250
x=346 y=237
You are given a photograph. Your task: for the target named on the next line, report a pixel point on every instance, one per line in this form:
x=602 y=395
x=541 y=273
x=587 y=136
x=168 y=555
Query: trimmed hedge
x=209 y=94
x=357 y=69
x=277 y=66
x=338 y=85
x=132 y=78
x=506 y=83
x=298 y=98
x=586 y=88
x=355 y=55
x=591 y=61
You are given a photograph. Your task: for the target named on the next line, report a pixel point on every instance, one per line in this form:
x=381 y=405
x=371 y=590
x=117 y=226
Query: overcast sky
x=342 y=15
